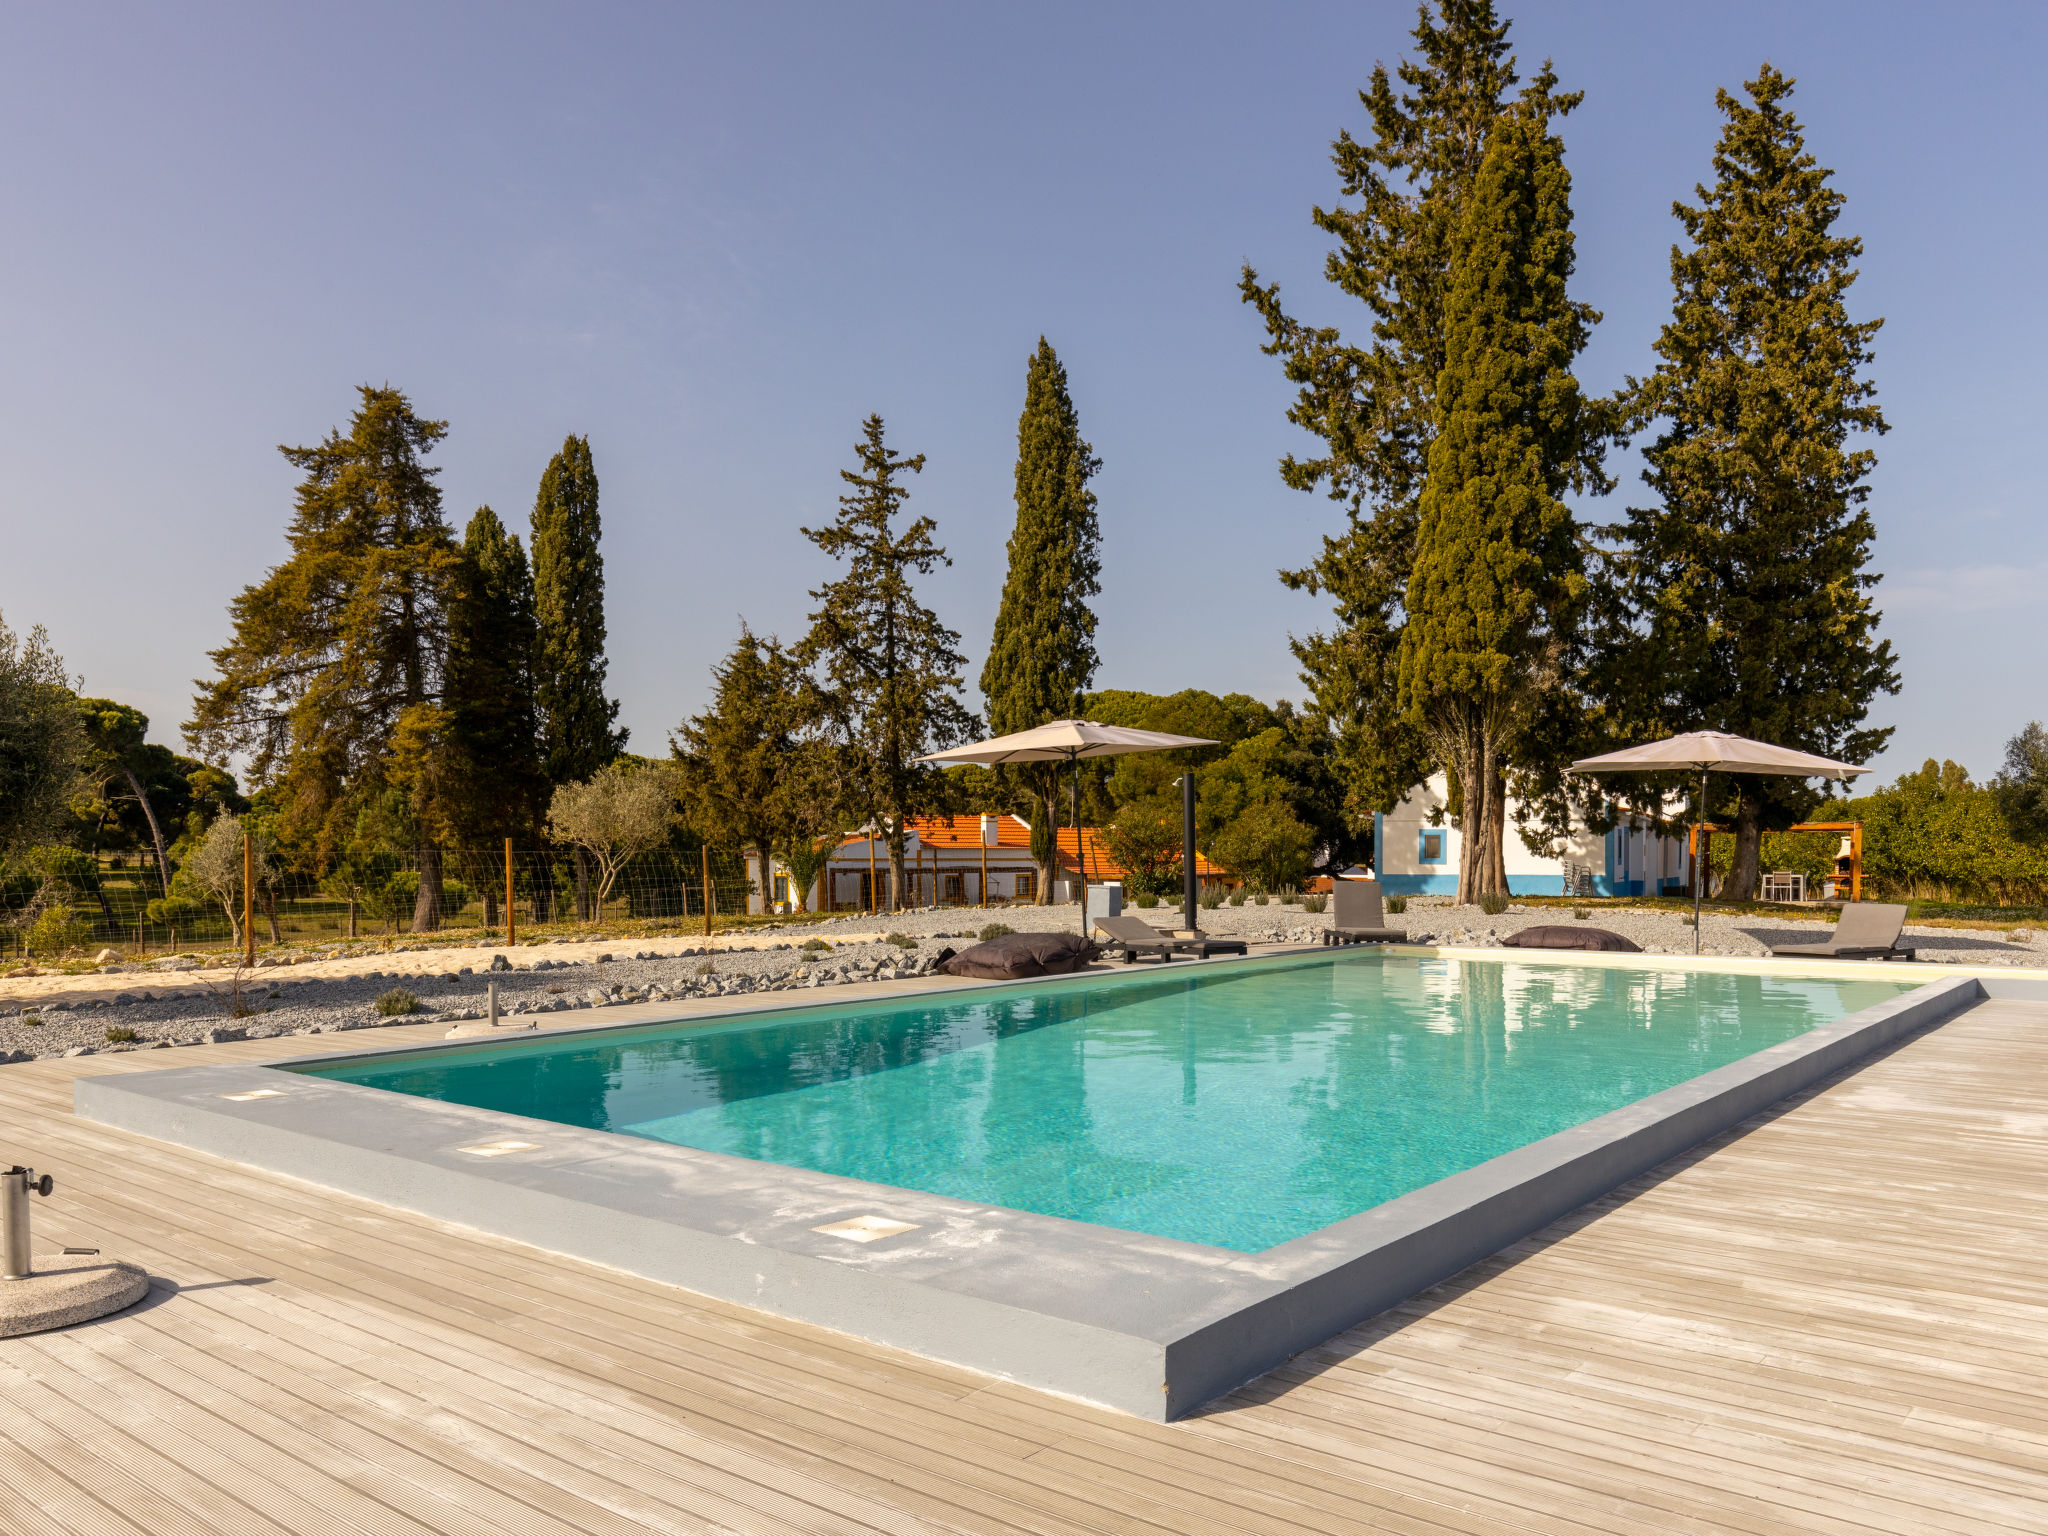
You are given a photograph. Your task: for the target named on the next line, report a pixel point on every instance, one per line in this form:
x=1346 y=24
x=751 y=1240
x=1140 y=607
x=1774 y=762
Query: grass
x=397 y=1001
x=121 y=1034
x=900 y=940
x=1396 y=904
x=815 y=947
x=1314 y=903
x=994 y=931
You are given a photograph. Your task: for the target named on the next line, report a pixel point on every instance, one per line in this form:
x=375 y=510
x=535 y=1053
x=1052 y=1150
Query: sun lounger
x=1136 y=937
x=1866 y=930
x=1358 y=917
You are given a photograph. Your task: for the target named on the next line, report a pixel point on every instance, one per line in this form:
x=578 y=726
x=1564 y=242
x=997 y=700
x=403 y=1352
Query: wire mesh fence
x=82 y=903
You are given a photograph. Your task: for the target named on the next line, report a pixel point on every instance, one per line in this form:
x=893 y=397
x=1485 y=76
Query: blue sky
x=714 y=238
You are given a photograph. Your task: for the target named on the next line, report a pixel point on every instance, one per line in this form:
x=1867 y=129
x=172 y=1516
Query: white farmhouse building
x=1415 y=853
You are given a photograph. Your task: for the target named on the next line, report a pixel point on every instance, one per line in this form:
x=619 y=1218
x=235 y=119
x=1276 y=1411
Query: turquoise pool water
x=1239 y=1106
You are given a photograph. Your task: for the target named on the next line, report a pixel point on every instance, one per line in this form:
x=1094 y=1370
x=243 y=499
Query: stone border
x=1149 y=1325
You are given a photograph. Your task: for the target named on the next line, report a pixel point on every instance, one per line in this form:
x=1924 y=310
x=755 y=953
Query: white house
x=1415 y=853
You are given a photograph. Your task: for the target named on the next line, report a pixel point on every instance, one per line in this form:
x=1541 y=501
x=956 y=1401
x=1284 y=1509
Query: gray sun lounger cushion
x=1359 y=916
x=1866 y=930
x=1016 y=955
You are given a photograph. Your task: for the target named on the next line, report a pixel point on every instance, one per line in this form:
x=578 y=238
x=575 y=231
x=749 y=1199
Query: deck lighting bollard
x=491 y=991
x=15 y=1187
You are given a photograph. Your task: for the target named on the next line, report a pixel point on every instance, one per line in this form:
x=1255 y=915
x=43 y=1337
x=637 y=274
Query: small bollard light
x=491 y=990
x=16 y=1185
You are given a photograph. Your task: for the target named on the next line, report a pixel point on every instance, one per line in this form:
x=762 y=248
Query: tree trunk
x=156 y=833
x=351 y=917
x=897 y=850
x=490 y=905
x=1493 y=879
x=269 y=898
x=1049 y=866
x=426 y=908
x=583 y=913
x=1745 y=871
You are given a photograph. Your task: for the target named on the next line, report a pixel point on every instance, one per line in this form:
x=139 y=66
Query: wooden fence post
x=248 y=898
x=511 y=922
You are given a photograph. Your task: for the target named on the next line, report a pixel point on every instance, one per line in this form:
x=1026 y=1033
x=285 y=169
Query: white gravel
x=450 y=982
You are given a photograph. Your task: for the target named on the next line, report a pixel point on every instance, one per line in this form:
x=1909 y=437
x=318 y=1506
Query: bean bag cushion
x=1024 y=954
x=1558 y=936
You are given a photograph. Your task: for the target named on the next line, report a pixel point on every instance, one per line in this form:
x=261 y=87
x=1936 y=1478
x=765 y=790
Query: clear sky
x=714 y=237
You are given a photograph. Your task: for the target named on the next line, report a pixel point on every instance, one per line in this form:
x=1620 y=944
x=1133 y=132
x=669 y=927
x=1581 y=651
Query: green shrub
x=56 y=930
x=901 y=941
x=994 y=931
x=121 y=1034
x=1493 y=904
x=396 y=1002
x=1582 y=913
x=1209 y=901
x=1147 y=900
x=1315 y=903
x=1237 y=897
x=815 y=947
x=1396 y=904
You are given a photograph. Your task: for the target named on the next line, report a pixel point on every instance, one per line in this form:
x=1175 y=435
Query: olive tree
x=615 y=815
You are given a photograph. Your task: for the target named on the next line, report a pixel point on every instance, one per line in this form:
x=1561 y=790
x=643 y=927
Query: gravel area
x=164 y=1006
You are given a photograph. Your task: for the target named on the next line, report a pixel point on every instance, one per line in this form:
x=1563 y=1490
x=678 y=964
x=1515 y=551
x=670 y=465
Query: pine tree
x=1042 y=656
x=577 y=722
x=891 y=669
x=339 y=642
x=492 y=721
x=737 y=754
x=1498 y=577
x=1374 y=403
x=1750 y=572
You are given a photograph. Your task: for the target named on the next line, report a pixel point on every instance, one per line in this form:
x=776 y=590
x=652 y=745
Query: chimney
x=989 y=834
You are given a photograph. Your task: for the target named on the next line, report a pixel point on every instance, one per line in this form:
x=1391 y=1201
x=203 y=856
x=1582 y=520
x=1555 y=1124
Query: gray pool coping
x=1149 y=1325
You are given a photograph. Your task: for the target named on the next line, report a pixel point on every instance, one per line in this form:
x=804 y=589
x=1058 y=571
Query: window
x=1432 y=851
x=956 y=889
x=1027 y=885
x=782 y=888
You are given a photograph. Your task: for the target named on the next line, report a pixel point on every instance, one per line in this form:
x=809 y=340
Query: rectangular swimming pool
x=1238 y=1106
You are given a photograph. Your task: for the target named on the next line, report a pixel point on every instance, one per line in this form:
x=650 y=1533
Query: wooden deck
x=1835 y=1320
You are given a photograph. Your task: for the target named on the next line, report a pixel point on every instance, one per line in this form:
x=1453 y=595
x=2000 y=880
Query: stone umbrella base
x=68 y=1289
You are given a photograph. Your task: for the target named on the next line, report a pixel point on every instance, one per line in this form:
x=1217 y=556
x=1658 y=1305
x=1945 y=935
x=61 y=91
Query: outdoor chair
x=1358 y=917
x=1135 y=938
x=1866 y=930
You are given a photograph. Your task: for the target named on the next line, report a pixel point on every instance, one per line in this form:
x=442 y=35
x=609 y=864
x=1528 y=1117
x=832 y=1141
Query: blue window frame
x=1430 y=845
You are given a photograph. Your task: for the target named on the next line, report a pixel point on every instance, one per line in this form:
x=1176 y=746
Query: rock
x=105 y=957
x=222 y=1033
x=79 y=1050
x=500 y=963
x=177 y=963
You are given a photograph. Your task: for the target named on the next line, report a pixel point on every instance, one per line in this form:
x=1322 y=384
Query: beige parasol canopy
x=1717 y=752
x=1708 y=752
x=1068 y=741
x=1064 y=741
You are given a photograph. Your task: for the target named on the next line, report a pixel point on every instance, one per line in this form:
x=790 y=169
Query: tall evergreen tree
x=1749 y=573
x=1373 y=402
x=891 y=669
x=1042 y=657
x=339 y=642
x=578 y=733
x=1499 y=578
x=737 y=754
x=492 y=719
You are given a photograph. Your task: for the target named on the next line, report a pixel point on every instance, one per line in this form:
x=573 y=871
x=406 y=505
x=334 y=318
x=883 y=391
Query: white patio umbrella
x=1068 y=741
x=1708 y=752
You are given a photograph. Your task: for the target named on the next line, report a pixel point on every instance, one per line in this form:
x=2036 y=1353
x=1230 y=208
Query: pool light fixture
x=866 y=1229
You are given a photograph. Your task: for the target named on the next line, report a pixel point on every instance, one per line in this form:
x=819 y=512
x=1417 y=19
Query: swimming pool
x=1236 y=1106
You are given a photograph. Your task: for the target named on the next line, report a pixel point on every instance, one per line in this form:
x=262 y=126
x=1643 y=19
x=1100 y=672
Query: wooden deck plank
x=1833 y=1321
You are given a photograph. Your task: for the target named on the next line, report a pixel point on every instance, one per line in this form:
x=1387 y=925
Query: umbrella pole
x=1187 y=851
x=1080 y=848
x=1699 y=860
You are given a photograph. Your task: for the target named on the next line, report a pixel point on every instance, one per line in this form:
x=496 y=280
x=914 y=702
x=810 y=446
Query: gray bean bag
x=1024 y=954
x=1558 y=936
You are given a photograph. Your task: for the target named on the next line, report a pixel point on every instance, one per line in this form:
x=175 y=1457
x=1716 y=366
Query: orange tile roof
x=962 y=834
x=965 y=831
x=1101 y=866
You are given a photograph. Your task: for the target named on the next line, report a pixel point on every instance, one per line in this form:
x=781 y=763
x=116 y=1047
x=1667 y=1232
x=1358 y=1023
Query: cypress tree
x=344 y=640
x=577 y=731
x=1042 y=656
x=1498 y=579
x=489 y=693
x=1749 y=573
x=891 y=669
x=1373 y=402
x=577 y=721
